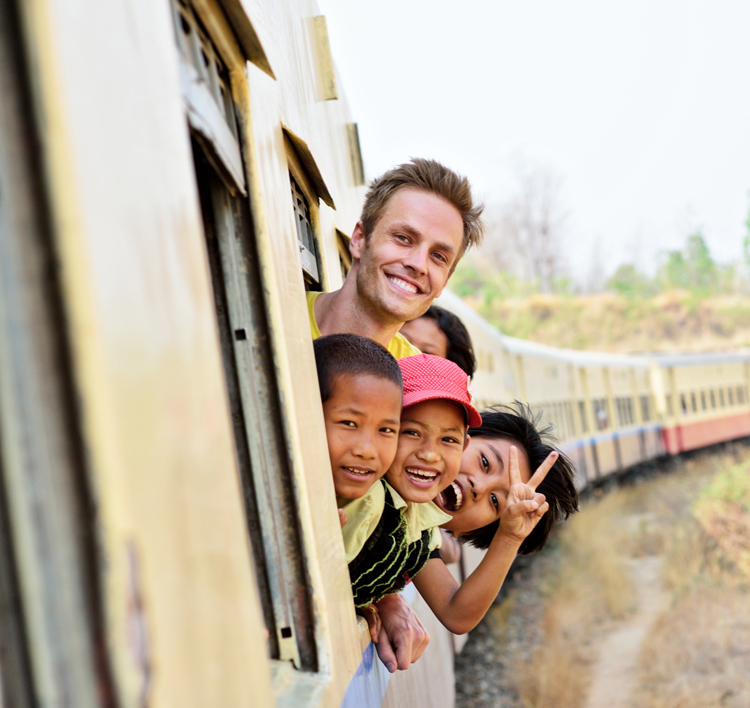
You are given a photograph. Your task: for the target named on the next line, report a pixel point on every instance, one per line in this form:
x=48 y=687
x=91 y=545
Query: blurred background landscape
x=609 y=142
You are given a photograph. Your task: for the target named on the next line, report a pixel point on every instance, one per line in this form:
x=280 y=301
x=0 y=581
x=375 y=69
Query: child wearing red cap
x=438 y=410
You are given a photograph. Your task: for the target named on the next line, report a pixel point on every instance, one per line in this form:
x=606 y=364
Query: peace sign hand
x=524 y=506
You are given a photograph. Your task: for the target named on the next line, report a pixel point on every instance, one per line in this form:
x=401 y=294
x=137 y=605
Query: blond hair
x=428 y=176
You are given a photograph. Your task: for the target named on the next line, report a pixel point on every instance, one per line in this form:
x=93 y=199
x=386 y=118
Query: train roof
x=455 y=304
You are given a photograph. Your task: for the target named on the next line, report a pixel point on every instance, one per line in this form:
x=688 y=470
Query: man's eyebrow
x=500 y=462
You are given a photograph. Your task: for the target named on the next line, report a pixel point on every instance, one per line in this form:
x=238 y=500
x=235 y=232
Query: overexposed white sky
x=641 y=107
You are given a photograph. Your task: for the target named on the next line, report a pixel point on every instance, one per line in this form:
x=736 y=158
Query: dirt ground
x=674 y=631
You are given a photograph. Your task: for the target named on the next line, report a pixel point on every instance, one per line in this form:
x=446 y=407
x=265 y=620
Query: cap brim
x=414 y=397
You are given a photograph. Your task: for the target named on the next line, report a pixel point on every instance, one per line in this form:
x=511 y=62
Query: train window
x=693 y=404
x=307 y=190
x=740 y=395
x=703 y=400
x=306 y=237
x=646 y=409
x=569 y=418
x=345 y=257
x=601 y=413
x=730 y=395
x=721 y=397
x=255 y=403
x=713 y=399
x=582 y=412
x=683 y=404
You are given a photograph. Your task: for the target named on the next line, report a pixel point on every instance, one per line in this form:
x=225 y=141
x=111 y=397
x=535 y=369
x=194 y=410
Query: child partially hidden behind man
x=390 y=529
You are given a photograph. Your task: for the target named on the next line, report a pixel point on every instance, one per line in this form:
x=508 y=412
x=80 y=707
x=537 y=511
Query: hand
x=370 y=613
x=450 y=550
x=524 y=506
x=403 y=638
x=343 y=518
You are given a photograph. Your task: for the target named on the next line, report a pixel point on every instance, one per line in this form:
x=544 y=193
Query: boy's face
x=477 y=496
x=430 y=443
x=362 y=422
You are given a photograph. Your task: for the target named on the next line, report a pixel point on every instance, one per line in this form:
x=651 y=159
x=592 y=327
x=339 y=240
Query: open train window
x=601 y=414
x=582 y=412
x=307 y=190
x=245 y=337
x=693 y=404
x=683 y=404
x=713 y=399
x=703 y=400
x=646 y=409
x=730 y=395
x=740 y=395
x=306 y=237
x=345 y=256
x=721 y=397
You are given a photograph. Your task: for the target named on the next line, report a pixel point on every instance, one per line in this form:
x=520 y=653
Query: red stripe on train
x=689 y=436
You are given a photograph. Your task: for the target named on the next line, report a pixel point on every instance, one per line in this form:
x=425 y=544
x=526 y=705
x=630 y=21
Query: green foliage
x=731 y=485
x=691 y=269
x=629 y=283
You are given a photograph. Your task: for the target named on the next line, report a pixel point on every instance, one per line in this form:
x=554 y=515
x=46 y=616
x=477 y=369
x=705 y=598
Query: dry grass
x=591 y=589
x=698 y=652
x=592 y=592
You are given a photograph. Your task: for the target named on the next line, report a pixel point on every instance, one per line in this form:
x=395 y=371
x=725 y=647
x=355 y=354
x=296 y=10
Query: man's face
x=407 y=260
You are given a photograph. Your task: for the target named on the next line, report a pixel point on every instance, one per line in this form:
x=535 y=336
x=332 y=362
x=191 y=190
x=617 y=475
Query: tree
x=525 y=233
x=692 y=268
x=629 y=282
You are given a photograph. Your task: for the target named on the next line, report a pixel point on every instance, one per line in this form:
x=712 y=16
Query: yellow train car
x=173 y=177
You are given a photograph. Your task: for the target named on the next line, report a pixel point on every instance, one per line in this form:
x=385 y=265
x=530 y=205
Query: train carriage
x=174 y=176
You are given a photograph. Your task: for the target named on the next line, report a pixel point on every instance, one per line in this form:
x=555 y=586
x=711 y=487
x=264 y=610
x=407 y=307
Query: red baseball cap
x=427 y=377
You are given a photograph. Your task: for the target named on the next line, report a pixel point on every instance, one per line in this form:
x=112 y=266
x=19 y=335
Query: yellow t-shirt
x=399 y=346
x=364 y=515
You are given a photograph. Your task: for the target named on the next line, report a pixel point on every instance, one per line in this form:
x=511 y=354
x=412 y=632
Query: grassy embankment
x=669 y=322
x=697 y=652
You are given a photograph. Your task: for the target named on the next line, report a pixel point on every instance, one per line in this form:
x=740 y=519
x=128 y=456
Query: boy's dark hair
x=460 y=348
x=518 y=424
x=337 y=354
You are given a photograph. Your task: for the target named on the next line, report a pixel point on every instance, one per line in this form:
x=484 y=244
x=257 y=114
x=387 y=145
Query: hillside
x=668 y=322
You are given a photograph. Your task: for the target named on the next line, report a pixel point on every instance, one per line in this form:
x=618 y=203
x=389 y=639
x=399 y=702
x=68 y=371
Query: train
x=609 y=411
x=174 y=176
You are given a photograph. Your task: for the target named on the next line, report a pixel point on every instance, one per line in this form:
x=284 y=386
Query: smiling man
x=417 y=221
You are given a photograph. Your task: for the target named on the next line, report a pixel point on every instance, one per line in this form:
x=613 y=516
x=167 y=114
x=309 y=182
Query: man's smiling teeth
x=421 y=474
x=403 y=284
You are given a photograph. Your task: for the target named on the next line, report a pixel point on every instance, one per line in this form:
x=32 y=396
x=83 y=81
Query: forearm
x=460 y=608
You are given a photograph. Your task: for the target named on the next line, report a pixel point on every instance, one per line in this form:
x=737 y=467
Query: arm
x=450 y=550
x=460 y=608
x=402 y=639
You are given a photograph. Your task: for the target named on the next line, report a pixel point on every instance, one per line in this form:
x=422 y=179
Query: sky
x=641 y=109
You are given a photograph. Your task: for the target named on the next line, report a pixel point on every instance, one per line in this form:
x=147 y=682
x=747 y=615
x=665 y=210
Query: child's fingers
x=542 y=510
x=522 y=508
x=343 y=518
x=514 y=472
x=541 y=472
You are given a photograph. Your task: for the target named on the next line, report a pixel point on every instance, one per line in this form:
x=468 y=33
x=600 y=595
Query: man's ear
x=467 y=437
x=357 y=243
